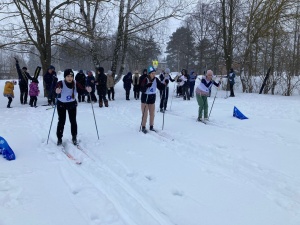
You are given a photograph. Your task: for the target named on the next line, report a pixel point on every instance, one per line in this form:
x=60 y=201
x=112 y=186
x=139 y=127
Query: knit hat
x=51 y=67
x=68 y=72
x=151 y=69
x=24 y=68
x=167 y=70
x=109 y=72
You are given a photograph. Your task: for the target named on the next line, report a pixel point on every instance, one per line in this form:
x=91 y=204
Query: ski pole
x=94 y=114
x=52 y=118
x=143 y=113
x=213 y=103
x=164 y=108
x=172 y=96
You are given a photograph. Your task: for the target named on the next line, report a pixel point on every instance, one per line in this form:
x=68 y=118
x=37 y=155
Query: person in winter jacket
x=231 y=77
x=23 y=82
x=185 y=84
x=80 y=78
x=90 y=82
x=110 y=85
x=101 y=82
x=178 y=87
x=165 y=78
x=33 y=92
x=193 y=78
x=66 y=101
x=136 y=85
x=161 y=77
x=142 y=77
x=148 y=88
x=9 y=91
x=202 y=91
x=50 y=80
x=127 y=81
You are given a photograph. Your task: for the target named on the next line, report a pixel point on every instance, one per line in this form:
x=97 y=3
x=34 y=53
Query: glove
x=166 y=81
x=88 y=89
x=58 y=90
x=149 y=84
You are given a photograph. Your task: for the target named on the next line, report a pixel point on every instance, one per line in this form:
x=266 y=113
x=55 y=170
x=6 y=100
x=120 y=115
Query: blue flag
x=6 y=150
x=237 y=113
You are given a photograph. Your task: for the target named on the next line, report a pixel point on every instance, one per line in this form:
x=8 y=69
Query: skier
x=66 y=101
x=90 y=82
x=9 y=91
x=148 y=88
x=231 y=77
x=50 y=80
x=165 y=78
x=23 y=82
x=33 y=92
x=101 y=82
x=127 y=81
x=202 y=91
x=110 y=85
x=185 y=83
x=136 y=85
x=80 y=78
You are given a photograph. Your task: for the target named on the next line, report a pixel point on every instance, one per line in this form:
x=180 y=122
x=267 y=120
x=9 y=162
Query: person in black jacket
x=127 y=81
x=50 y=80
x=185 y=84
x=90 y=82
x=80 y=78
x=231 y=77
x=142 y=77
x=66 y=101
x=148 y=88
x=101 y=82
x=23 y=82
x=165 y=78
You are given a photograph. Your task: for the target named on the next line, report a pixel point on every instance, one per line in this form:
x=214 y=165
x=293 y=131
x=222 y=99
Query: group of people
x=63 y=93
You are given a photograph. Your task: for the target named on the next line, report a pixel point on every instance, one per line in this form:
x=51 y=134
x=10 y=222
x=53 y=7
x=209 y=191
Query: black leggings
x=61 y=111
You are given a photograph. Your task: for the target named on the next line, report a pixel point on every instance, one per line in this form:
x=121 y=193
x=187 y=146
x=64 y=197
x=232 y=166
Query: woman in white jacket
x=202 y=91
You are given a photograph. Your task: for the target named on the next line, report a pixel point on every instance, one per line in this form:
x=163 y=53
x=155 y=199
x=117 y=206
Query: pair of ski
x=70 y=156
x=163 y=135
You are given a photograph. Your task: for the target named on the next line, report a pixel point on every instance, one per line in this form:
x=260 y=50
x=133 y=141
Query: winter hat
x=136 y=72
x=80 y=71
x=24 y=68
x=51 y=67
x=167 y=70
x=151 y=69
x=68 y=72
x=101 y=69
x=109 y=72
x=145 y=70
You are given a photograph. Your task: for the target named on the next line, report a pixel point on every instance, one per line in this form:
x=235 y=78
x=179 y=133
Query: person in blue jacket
x=127 y=82
x=50 y=80
x=231 y=77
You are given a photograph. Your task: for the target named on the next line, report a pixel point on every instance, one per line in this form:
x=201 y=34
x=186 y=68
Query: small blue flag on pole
x=237 y=113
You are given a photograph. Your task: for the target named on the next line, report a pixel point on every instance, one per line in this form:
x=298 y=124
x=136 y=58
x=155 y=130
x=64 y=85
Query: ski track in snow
x=274 y=184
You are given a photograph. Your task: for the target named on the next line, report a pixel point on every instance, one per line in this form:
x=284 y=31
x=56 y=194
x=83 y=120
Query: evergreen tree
x=181 y=50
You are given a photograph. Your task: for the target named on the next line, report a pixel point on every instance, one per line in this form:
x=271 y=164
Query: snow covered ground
x=230 y=172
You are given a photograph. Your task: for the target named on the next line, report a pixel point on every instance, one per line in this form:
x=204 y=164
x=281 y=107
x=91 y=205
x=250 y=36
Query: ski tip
x=78 y=163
